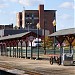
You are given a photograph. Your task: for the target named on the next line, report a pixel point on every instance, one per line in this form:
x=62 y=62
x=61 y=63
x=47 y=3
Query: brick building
x=29 y=18
x=19 y=19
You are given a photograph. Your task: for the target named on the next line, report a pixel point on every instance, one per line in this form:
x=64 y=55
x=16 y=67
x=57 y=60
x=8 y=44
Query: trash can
x=67 y=59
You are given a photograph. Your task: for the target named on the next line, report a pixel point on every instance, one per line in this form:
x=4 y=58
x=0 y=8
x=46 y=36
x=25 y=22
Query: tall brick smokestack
x=41 y=16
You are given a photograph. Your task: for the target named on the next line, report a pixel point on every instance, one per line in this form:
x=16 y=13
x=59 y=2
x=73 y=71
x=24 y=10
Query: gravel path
x=34 y=67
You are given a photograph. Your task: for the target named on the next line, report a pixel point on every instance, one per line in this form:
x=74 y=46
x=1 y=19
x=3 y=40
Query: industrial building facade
x=10 y=26
x=28 y=19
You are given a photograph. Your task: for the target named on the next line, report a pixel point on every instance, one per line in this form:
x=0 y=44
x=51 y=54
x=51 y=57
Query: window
x=27 y=15
x=54 y=14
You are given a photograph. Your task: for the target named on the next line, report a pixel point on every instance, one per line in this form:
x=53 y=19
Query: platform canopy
x=65 y=34
x=10 y=37
x=70 y=31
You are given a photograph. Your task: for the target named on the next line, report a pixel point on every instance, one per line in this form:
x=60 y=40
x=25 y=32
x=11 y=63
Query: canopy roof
x=15 y=36
x=63 y=32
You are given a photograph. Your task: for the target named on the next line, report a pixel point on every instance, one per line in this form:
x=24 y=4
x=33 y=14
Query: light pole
x=28 y=26
x=44 y=40
x=54 y=25
x=38 y=27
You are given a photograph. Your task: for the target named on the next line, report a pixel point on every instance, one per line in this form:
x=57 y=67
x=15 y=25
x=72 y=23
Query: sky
x=64 y=14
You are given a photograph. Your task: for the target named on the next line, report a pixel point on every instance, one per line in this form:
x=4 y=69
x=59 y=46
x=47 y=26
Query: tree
x=15 y=27
x=73 y=43
x=48 y=42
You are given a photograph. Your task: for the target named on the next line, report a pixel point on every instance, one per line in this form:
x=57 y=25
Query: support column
x=70 y=47
x=15 y=52
x=70 y=39
x=19 y=53
x=1 y=49
x=10 y=50
x=26 y=49
x=61 y=49
x=31 y=50
x=5 y=50
x=17 y=49
x=13 y=49
x=21 y=49
x=38 y=43
x=60 y=40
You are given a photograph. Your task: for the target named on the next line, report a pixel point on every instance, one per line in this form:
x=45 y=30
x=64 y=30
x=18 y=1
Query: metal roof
x=63 y=32
x=14 y=36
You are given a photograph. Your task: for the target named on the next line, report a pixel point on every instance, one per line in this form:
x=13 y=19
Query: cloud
x=13 y=12
x=0 y=11
x=64 y=21
x=74 y=7
x=30 y=2
x=12 y=19
x=14 y=0
x=3 y=4
x=67 y=5
x=65 y=17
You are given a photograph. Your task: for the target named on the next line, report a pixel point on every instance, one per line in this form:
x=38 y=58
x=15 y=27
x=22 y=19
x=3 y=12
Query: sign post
x=31 y=39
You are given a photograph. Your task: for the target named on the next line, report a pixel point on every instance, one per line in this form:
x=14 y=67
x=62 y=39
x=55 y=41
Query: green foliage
x=15 y=27
x=48 y=42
